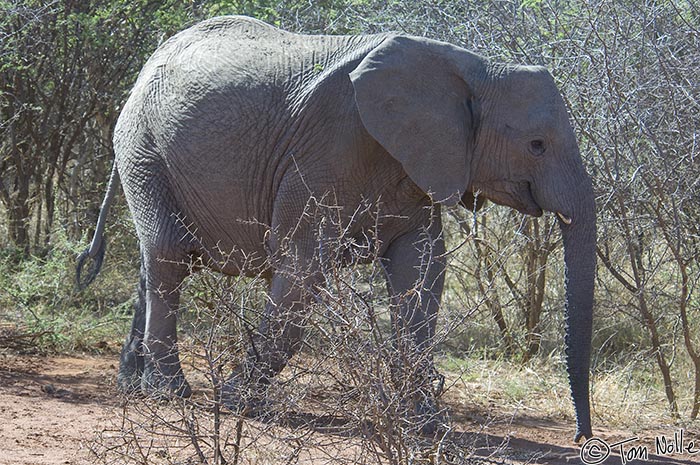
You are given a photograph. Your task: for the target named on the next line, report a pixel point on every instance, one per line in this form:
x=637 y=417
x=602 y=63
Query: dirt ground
x=53 y=408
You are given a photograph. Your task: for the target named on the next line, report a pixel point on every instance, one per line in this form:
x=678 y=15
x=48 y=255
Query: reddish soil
x=53 y=408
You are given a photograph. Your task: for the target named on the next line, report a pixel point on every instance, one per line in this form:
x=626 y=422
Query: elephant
x=233 y=125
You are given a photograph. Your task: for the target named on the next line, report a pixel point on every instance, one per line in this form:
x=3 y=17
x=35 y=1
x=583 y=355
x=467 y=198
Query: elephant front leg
x=162 y=374
x=415 y=268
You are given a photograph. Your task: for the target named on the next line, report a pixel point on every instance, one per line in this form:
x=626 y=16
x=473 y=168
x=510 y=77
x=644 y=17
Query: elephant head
x=460 y=125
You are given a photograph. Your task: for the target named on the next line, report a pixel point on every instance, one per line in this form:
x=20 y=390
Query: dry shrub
x=357 y=392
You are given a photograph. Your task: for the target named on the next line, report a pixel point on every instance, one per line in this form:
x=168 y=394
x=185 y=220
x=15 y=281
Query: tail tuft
x=92 y=271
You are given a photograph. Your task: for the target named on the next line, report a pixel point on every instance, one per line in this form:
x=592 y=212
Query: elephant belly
x=225 y=224
x=235 y=250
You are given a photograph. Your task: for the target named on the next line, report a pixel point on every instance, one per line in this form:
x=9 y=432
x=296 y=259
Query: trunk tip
x=583 y=433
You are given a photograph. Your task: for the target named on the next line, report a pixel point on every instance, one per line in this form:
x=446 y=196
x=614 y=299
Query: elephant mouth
x=517 y=195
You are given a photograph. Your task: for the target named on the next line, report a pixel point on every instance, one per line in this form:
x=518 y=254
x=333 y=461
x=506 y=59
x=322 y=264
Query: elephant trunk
x=580 y=259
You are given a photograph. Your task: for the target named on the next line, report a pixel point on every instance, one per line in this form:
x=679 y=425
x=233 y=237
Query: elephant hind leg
x=131 y=361
x=164 y=269
x=151 y=349
x=278 y=338
x=149 y=359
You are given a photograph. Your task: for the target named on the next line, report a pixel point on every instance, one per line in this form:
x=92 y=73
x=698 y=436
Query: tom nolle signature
x=596 y=450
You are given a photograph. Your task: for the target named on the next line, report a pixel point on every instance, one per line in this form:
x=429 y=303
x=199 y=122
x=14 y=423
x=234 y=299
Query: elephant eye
x=537 y=147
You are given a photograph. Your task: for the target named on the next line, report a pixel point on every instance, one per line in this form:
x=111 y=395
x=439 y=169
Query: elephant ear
x=413 y=100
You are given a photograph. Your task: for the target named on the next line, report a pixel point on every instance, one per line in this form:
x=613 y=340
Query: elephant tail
x=96 y=251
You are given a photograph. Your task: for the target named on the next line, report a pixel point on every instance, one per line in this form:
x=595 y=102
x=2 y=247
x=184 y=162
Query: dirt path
x=52 y=408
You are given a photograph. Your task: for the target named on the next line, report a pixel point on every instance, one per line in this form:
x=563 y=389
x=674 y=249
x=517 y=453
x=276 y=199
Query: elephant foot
x=243 y=396
x=428 y=419
x=164 y=380
x=130 y=370
x=129 y=383
x=163 y=387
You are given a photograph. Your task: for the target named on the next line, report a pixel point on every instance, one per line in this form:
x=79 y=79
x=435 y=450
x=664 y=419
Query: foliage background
x=628 y=70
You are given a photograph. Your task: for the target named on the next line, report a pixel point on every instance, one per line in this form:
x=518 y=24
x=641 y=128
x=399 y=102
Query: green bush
x=39 y=300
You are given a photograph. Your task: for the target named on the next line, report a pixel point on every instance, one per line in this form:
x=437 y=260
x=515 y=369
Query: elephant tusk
x=565 y=219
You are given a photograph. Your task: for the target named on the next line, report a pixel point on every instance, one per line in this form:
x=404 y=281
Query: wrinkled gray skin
x=233 y=125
